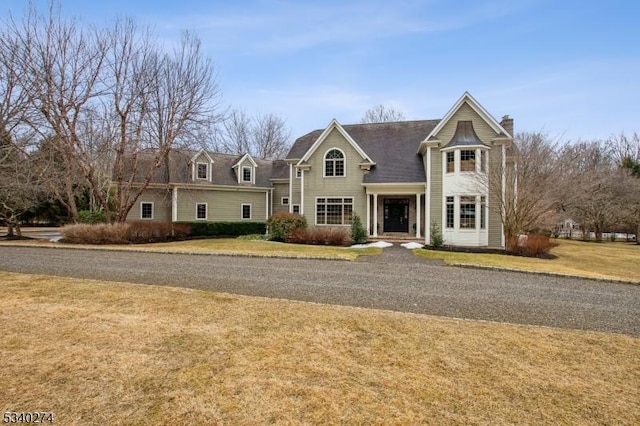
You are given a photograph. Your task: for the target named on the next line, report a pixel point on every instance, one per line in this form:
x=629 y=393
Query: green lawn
x=615 y=261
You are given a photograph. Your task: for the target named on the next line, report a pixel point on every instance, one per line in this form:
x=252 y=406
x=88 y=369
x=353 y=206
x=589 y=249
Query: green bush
x=282 y=224
x=359 y=234
x=437 y=240
x=92 y=217
x=225 y=229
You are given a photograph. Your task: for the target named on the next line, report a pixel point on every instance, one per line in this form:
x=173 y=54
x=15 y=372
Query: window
x=334 y=211
x=146 y=210
x=246 y=211
x=450 y=162
x=298 y=173
x=483 y=161
x=247 y=175
x=483 y=212
x=201 y=211
x=334 y=163
x=284 y=201
x=450 y=212
x=468 y=212
x=202 y=171
x=467 y=161
x=296 y=208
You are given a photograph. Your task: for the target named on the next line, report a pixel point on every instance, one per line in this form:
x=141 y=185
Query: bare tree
x=382 y=114
x=522 y=189
x=111 y=97
x=265 y=136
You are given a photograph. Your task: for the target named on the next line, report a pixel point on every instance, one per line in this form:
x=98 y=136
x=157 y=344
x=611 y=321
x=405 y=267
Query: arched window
x=334 y=163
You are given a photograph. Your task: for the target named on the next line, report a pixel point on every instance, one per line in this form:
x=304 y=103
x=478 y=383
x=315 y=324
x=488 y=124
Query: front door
x=396 y=215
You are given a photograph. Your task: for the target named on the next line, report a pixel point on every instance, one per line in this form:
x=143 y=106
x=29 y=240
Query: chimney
x=507 y=124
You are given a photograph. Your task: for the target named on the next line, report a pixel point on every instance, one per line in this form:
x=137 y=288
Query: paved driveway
x=396 y=281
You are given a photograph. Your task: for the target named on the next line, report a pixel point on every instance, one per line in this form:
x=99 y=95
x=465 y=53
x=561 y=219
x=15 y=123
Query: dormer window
x=334 y=163
x=202 y=171
x=247 y=174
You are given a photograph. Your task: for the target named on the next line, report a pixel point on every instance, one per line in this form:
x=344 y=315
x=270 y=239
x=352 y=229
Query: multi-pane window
x=146 y=210
x=334 y=163
x=483 y=161
x=468 y=212
x=483 y=212
x=246 y=211
x=451 y=162
x=202 y=171
x=284 y=201
x=296 y=208
x=246 y=174
x=450 y=212
x=201 y=211
x=298 y=173
x=334 y=211
x=467 y=161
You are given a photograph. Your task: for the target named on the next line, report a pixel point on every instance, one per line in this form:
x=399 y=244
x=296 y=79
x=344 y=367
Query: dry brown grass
x=613 y=261
x=107 y=353
x=226 y=246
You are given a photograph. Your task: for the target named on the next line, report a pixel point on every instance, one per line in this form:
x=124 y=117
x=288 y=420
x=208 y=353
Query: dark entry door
x=396 y=215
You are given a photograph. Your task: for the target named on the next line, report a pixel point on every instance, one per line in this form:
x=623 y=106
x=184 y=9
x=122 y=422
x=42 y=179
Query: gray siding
x=222 y=206
x=161 y=200
x=348 y=186
x=436 y=187
x=280 y=190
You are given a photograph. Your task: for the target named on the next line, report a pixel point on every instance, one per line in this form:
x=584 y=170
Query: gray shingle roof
x=177 y=169
x=393 y=146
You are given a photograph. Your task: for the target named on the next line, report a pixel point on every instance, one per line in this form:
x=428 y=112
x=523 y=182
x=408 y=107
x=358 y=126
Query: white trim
x=290 y=185
x=427 y=200
x=207 y=171
x=342 y=197
x=335 y=125
x=282 y=201
x=174 y=204
x=375 y=214
x=504 y=193
x=206 y=211
x=266 y=206
x=418 y=214
x=242 y=206
x=368 y=213
x=251 y=174
x=344 y=164
x=152 y=210
x=302 y=193
x=194 y=167
x=243 y=159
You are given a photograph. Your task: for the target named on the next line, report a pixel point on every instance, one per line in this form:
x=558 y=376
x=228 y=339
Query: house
x=400 y=177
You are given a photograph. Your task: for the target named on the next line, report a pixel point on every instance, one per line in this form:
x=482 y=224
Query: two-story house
x=400 y=177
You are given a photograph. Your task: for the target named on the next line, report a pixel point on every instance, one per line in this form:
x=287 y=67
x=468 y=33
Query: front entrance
x=396 y=215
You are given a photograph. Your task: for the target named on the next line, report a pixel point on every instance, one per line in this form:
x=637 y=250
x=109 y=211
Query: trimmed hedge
x=225 y=229
x=283 y=224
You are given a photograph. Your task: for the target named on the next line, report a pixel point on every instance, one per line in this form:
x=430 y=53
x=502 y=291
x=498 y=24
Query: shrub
x=282 y=225
x=124 y=233
x=320 y=236
x=437 y=240
x=227 y=229
x=103 y=233
x=88 y=216
x=536 y=245
x=359 y=234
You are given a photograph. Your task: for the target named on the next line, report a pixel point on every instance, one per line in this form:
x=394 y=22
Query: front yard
x=613 y=261
x=114 y=353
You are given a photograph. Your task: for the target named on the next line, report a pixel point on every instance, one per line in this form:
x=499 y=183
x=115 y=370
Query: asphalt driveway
x=396 y=281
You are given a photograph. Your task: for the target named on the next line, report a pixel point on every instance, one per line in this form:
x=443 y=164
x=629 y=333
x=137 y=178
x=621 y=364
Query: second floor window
x=202 y=171
x=334 y=163
x=246 y=174
x=467 y=161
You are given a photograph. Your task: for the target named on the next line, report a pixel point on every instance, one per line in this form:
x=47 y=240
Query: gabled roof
x=479 y=109
x=391 y=146
x=334 y=125
x=200 y=153
x=242 y=160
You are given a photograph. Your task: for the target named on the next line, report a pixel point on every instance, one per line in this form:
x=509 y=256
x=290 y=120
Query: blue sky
x=568 y=68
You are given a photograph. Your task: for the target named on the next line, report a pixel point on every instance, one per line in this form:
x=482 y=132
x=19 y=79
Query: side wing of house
x=463 y=157
x=209 y=187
